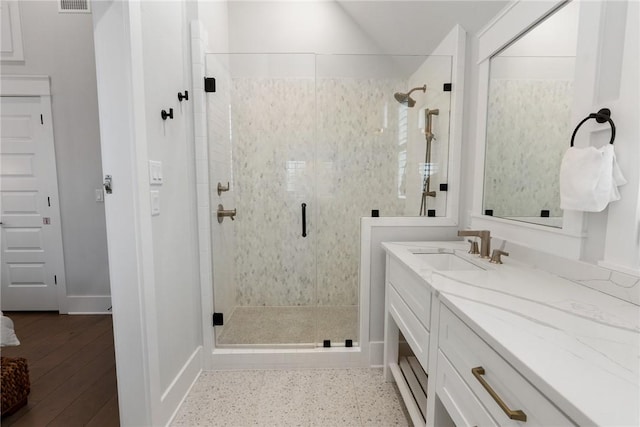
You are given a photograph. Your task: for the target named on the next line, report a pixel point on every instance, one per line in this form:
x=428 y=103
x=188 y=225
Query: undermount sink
x=446 y=262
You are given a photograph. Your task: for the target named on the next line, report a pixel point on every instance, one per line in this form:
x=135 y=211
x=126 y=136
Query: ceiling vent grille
x=74 y=6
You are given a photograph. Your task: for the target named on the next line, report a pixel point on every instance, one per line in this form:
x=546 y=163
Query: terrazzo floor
x=289 y=325
x=314 y=397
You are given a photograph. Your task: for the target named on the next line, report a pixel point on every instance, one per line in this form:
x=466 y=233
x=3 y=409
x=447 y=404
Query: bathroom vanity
x=506 y=344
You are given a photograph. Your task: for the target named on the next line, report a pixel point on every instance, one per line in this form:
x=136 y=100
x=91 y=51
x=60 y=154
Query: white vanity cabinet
x=407 y=310
x=409 y=304
x=486 y=379
x=507 y=345
x=469 y=382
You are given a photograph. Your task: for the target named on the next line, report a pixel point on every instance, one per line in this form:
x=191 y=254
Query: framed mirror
x=528 y=120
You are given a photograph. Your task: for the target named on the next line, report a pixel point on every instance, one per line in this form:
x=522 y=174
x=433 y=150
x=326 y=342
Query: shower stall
x=302 y=146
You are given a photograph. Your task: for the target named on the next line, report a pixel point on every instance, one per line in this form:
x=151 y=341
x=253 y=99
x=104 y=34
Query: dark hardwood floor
x=71 y=367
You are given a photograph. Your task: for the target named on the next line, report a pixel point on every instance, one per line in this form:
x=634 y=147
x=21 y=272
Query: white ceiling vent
x=74 y=6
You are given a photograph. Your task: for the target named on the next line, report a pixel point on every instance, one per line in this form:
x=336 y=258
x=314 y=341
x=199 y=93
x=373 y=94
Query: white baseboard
x=94 y=304
x=179 y=388
x=376 y=353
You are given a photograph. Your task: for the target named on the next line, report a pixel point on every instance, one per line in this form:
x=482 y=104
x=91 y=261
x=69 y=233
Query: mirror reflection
x=529 y=120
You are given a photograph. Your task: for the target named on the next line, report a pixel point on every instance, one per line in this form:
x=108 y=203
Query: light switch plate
x=99 y=195
x=155 y=203
x=155 y=172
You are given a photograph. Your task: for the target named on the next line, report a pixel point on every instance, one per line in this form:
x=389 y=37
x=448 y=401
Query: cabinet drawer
x=458 y=399
x=414 y=332
x=413 y=290
x=467 y=351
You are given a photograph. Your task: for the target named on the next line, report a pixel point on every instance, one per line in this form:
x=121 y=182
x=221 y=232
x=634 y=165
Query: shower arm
x=422 y=88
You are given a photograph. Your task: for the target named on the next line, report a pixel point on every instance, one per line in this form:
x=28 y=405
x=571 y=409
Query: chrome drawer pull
x=514 y=415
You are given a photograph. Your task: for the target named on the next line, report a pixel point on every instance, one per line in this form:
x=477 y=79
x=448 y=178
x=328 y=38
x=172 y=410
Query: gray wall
x=61 y=46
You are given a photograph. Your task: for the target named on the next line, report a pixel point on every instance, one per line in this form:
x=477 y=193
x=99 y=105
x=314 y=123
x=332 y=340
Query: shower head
x=405 y=98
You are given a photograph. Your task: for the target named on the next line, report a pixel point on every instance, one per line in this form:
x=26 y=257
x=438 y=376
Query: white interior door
x=32 y=260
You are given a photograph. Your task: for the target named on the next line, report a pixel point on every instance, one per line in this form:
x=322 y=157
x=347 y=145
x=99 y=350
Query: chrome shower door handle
x=304 y=220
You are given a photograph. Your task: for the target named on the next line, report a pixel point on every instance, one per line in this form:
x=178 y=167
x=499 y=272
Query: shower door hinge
x=209 y=84
x=218 y=319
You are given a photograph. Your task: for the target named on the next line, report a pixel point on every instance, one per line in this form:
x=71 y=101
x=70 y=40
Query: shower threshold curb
x=287 y=358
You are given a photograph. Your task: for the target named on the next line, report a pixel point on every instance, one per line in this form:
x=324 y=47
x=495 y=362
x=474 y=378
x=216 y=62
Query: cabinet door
x=462 y=406
x=413 y=290
x=414 y=332
x=483 y=369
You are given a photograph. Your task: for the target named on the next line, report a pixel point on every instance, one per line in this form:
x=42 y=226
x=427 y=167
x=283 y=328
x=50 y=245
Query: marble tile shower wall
x=273 y=134
x=525 y=158
x=316 y=142
x=358 y=172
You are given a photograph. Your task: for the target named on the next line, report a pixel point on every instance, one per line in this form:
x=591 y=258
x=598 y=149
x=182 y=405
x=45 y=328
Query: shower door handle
x=304 y=220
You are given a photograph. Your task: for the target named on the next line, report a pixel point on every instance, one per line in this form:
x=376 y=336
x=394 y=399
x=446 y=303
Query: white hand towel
x=589 y=179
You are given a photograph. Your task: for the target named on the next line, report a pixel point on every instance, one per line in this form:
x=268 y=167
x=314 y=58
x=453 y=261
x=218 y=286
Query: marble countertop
x=578 y=346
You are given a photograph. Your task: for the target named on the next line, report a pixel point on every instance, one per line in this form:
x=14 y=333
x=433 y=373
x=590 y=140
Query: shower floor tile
x=310 y=397
x=289 y=325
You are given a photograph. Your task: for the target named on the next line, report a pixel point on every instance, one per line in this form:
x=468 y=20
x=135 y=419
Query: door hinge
x=41 y=119
x=49 y=201
x=209 y=84
x=55 y=279
x=218 y=319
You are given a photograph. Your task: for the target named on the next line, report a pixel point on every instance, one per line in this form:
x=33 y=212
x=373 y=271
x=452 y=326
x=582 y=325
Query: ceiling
x=350 y=26
x=412 y=26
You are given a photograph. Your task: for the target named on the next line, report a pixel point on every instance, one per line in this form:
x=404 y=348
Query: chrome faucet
x=485 y=240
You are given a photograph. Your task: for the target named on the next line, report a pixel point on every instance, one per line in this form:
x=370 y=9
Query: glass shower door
x=309 y=145
x=265 y=278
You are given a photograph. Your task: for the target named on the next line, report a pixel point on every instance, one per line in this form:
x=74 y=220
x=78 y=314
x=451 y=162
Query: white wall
x=214 y=16
x=143 y=56
x=165 y=35
x=61 y=46
x=622 y=245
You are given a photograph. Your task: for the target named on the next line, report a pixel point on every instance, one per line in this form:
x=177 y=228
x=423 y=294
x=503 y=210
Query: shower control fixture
x=223 y=213
x=222 y=188
x=405 y=98
x=166 y=115
x=183 y=97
